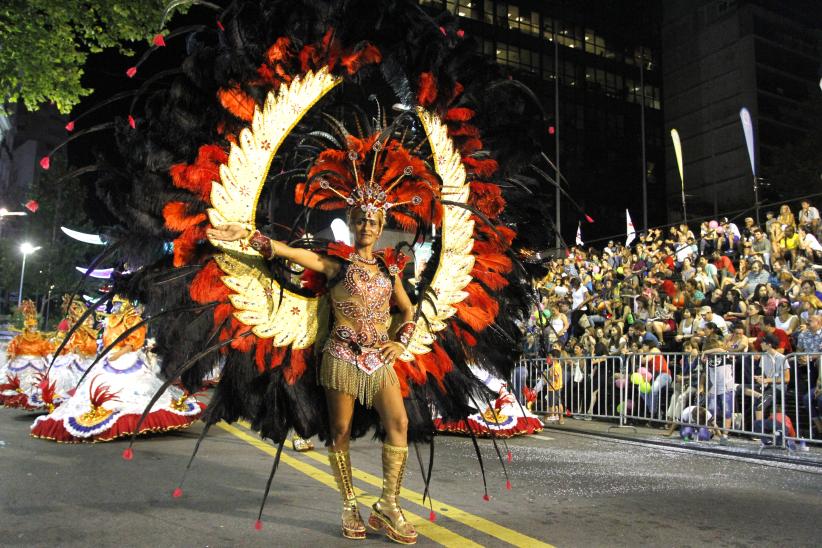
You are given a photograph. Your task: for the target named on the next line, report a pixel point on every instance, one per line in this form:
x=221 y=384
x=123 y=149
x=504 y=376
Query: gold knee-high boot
x=386 y=512
x=352 y=523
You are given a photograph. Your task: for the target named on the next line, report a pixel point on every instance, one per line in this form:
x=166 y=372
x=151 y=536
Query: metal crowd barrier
x=703 y=395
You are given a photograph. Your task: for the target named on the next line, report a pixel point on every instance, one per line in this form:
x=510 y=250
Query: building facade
x=721 y=56
x=607 y=53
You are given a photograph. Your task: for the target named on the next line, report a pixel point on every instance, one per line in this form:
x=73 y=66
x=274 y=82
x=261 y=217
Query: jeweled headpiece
x=373 y=175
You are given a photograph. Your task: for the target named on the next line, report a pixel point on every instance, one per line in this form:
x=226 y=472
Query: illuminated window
x=594 y=43
x=518 y=58
x=469 y=9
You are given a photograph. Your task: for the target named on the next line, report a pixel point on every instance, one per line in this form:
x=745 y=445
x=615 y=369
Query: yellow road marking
x=475 y=522
x=435 y=532
x=546 y=438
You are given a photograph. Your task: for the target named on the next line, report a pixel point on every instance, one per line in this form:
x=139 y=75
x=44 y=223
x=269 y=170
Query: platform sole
x=378 y=523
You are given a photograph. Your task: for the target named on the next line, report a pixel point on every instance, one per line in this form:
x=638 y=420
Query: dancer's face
x=366 y=229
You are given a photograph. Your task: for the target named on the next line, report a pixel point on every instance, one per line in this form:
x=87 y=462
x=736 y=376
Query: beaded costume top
x=360 y=302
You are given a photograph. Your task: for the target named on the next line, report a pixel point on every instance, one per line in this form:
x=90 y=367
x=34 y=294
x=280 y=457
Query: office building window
x=516 y=18
x=569 y=73
x=639 y=54
x=547 y=67
x=594 y=43
x=519 y=58
x=568 y=35
x=464 y=8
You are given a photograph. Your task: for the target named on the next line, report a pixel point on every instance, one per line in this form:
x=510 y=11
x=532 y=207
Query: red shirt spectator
x=784 y=341
x=657 y=363
x=724 y=263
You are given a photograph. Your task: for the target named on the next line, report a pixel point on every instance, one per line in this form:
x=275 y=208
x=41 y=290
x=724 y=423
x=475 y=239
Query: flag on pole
x=579 y=234
x=678 y=153
x=629 y=228
x=747 y=127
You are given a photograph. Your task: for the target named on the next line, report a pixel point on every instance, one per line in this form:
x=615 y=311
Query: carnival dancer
x=502 y=418
x=77 y=354
x=27 y=361
x=278 y=120
x=358 y=357
x=107 y=404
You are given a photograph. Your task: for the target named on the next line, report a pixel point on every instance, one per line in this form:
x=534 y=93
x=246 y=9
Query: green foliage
x=44 y=44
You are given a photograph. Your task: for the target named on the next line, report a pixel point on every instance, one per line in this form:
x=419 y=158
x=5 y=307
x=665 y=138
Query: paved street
x=568 y=490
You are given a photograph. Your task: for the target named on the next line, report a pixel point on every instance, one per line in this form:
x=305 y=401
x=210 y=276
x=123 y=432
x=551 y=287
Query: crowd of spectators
x=721 y=289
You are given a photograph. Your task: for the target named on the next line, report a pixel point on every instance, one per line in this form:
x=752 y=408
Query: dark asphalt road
x=568 y=490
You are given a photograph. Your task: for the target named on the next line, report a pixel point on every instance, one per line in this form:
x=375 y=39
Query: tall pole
x=756 y=197
x=558 y=212
x=642 y=139
x=22 y=274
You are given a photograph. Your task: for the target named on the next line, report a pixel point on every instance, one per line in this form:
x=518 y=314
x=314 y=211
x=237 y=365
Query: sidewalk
x=740 y=446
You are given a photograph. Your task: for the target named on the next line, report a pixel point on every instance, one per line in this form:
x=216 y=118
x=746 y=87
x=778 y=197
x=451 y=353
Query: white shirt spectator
x=720 y=374
x=717 y=320
x=810 y=242
x=578 y=296
x=808 y=216
x=683 y=251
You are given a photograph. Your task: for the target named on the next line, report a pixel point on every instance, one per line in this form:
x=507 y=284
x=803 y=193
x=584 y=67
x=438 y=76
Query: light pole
x=558 y=211
x=26 y=249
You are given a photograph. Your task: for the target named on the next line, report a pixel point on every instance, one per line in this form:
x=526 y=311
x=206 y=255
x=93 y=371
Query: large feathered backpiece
x=273 y=119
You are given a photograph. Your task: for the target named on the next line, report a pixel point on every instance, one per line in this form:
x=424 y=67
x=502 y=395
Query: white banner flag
x=747 y=127
x=629 y=228
x=579 y=234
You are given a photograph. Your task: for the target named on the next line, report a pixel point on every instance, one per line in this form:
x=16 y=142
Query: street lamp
x=26 y=249
x=6 y=213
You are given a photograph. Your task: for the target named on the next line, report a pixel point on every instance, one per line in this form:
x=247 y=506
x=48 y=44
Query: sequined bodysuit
x=360 y=303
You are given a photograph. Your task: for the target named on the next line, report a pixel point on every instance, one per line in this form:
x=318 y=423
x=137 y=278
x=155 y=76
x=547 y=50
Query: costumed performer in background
x=503 y=418
x=110 y=399
x=75 y=357
x=358 y=356
x=27 y=361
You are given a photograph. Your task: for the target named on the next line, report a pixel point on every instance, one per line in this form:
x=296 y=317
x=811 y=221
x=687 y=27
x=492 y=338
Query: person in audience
x=789 y=244
x=708 y=317
x=761 y=246
x=721 y=389
x=785 y=319
x=808 y=217
x=721 y=293
x=809 y=245
x=783 y=345
x=737 y=342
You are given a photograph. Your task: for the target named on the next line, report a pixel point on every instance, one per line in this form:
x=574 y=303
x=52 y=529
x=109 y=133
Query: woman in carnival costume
x=66 y=369
x=112 y=395
x=358 y=356
x=27 y=362
x=277 y=120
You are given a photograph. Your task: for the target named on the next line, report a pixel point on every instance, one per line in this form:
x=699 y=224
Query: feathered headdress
x=29 y=311
x=374 y=174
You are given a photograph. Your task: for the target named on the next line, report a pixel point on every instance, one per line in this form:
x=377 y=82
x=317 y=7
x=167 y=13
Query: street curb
x=690 y=447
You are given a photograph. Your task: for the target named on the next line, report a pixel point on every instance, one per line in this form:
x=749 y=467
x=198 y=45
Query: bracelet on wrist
x=261 y=244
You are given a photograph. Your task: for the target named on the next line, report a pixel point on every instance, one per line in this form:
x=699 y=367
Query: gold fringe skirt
x=346 y=377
